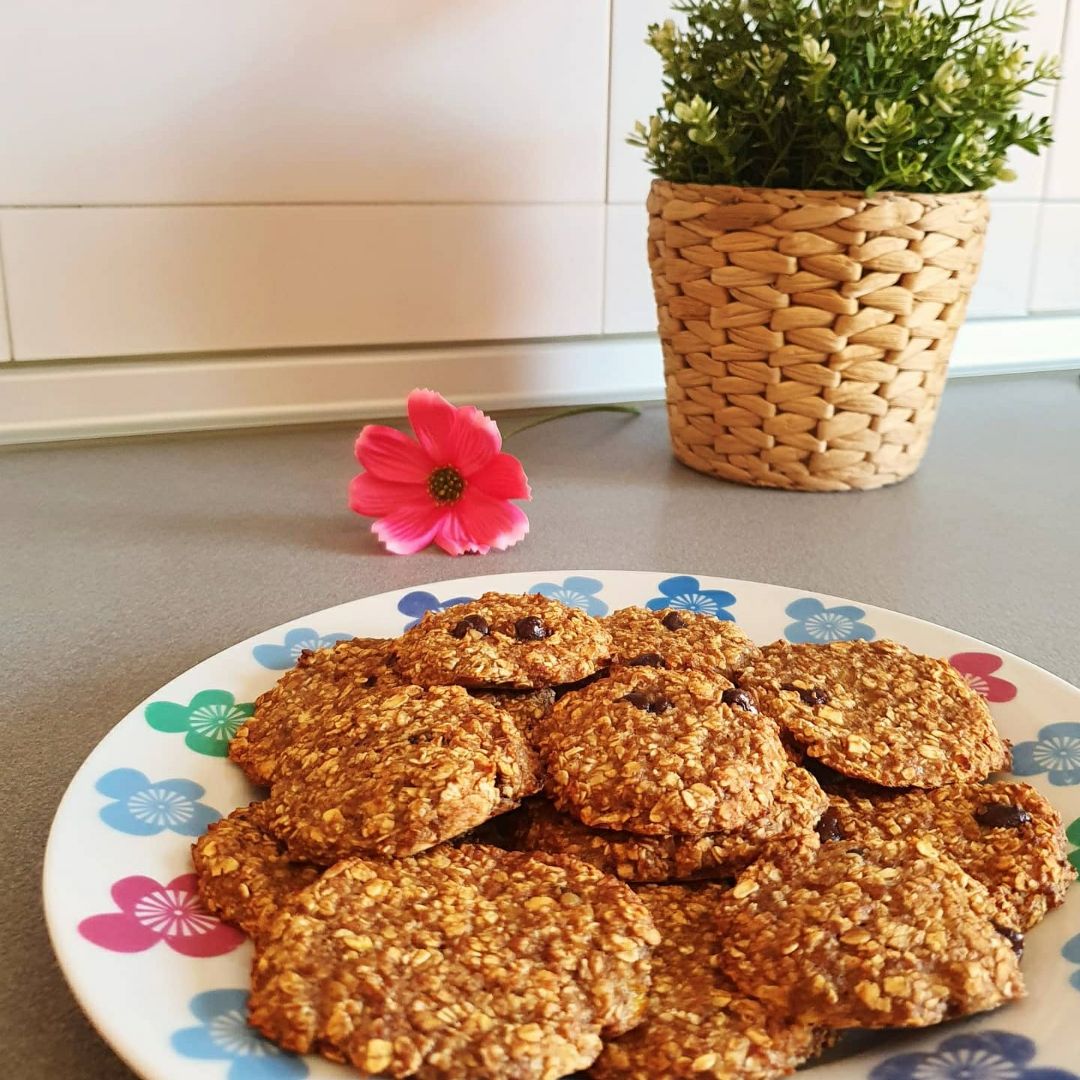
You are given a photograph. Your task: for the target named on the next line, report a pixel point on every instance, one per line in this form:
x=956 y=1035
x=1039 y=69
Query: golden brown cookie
x=696 y=1022
x=1003 y=833
x=503 y=640
x=462 y=962
x=324 y=683
x=797 y=805
x=525 y=707
x=680 y=640
x=876 y=711
x=885 y=935
x=657 y=753
x=406 y=769
x=245 y=875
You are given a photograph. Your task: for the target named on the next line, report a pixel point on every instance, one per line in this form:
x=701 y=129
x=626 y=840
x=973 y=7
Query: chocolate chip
x=813 y=696
x=1001 y=816
x=471 y=622
x=828 y=826
x=673 y=621
x=650 y=703
x=739 y=699
x=370 y=680
x=391 y=659
x=530 y=629
x=1013 y=937
x=305 y=657
x=646 y=659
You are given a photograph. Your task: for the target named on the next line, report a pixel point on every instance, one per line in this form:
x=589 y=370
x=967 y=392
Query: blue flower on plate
x=1056 y=751
x=285 y=655
x=145 y=808
x=1071 y=951
x=223 y=1035
x=417 y=604
x=983 y=1055
x=686 y=594
x=815 y=623
x=579 y=592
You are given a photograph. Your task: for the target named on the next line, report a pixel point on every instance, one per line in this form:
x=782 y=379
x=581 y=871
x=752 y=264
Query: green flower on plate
x=1073 y=833
x=210 y=720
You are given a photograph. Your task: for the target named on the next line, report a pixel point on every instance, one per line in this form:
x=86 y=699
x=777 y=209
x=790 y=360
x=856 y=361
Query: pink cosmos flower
x=151 y=912
x=450 y=485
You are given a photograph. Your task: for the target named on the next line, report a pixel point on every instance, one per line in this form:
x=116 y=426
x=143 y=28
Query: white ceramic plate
x=165 y=983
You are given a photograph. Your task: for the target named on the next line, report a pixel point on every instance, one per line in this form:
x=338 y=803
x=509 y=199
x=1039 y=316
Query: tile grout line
x=607 y=166
x=9 y=331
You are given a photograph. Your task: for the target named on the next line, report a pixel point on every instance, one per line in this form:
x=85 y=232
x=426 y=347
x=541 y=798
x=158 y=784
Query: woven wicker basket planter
x=806 y=334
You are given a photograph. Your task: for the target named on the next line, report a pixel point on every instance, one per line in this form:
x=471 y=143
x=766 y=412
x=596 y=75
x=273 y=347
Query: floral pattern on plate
x=978 y=670
x=151 y=912
x=579 y=592
x=144 y=808
x=223 y=1034
x=209 y=720
x=816 y=624
x=1073 y=835
x=686 y=594
x=982 y=1055
x=417 y=604
x=1056 y=752
x=285 y=655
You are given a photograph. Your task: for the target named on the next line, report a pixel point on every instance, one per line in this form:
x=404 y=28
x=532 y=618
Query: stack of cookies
x=522 y=842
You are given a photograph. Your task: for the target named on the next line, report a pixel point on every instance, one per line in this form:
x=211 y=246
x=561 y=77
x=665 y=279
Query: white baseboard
x=85 y=399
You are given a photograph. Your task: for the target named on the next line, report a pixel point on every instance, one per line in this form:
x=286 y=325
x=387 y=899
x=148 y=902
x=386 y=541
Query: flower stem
x=577 y=410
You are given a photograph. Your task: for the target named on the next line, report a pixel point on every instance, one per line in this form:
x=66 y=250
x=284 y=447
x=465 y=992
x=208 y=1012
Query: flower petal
x=805 y=607
x=195 y=1042
x=211 y=1004
x=502 y=478
x=127 y=892
x=117 y=933
x=464 y=438
x=117 y=816
x=201 y=816
x=166 y=716
x=481 y=523
x=121 y=783
x=372 y=496
x=1023 y=760
x=676 y=586
x=411 y=527
x=222 y=939
x=391 y=455
x=432 y=418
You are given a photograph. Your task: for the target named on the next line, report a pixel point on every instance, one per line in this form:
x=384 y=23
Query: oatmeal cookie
x=696 y=1022
x=1004 y=834
x=876 y=711
x=324 y=683
x=881 y=935
x=406 y=769
x=657 y=752
x=796 y=807
x=680 y=640
x=462 y=962
x=245 y=875
x=525 y=707
x=503 y=640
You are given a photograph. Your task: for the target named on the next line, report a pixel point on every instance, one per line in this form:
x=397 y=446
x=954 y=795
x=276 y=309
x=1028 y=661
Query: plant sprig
x=844 y=94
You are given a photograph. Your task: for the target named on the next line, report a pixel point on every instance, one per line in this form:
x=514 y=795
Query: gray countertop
x=124 y=563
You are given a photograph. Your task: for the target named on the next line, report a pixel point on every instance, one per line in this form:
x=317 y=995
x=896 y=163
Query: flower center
x=446 y=485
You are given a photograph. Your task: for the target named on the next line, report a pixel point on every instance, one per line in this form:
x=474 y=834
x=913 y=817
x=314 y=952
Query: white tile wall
x=124 y=101
x=111 y=282
x=629 y=307
x=1002 y=288
x=1063 y=166
x=1057 y=276
x=635 y=93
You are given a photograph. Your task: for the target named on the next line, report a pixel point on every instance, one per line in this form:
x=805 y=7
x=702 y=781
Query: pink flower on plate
x=450 y=485
x=151 y=912
x=976 y=667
